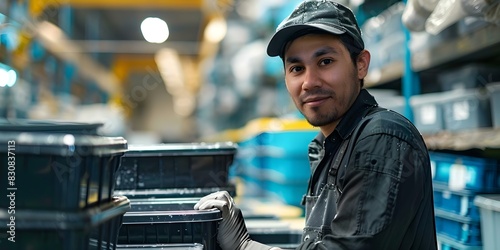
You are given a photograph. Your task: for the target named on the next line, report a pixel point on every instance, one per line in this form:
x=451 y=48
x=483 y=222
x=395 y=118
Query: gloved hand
x=233 y=234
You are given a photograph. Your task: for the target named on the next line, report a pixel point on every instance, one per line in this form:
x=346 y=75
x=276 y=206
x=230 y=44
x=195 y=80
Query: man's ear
x=362 y=63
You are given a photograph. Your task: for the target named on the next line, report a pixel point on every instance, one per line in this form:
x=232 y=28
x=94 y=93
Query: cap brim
x=282 y=37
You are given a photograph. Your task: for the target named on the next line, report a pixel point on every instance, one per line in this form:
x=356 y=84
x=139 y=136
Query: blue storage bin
x=428 y=112
x=465 y=172
x=489 y=206
x=494 y=91
x=276 y=164
x=287 y=170
x=391 y=20
x=462 y=229
x=283 y=155
x=468 y=76
x=285 y=143
x=471 y=24
x=245 y=157
x=252 y=186
x=245 y=147
x=466 y=109
x=289 y=193
x=457 y=202
x=447 y=243
x=391 y=49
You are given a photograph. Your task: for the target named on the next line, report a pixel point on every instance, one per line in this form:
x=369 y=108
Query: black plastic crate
x=175 y=192
x=170 y=204
x=47 y=126
x=282 y=238
x=193 y=246
x=169 y=221
x=93 y=228
x=176 y=165
x=58 y=171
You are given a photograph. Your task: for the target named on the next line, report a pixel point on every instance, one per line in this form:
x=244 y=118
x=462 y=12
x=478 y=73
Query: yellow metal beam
x=37 y=6
x=144 y=4
x=123 y=65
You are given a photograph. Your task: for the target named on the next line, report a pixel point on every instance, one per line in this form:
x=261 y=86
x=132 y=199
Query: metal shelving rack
x=481 y=44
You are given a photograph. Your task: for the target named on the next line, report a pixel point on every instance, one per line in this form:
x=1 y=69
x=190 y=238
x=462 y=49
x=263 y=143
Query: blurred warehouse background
x=176 y=71
x=200 y=69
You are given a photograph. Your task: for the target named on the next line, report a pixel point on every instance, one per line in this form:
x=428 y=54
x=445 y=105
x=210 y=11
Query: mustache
x=315 y=93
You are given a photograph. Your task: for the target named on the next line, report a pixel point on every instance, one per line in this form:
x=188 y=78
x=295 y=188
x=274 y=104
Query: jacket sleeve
x=382 y=191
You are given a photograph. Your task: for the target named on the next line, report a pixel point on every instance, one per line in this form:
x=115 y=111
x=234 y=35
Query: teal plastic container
x=461 y=229
x=460 y=172
x=281 y=155
x=490 y=219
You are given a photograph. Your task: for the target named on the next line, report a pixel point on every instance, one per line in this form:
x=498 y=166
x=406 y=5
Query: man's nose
x=311 y=79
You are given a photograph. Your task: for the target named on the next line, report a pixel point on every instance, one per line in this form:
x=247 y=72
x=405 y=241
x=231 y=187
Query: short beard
x=322 y=120
x=318 y=119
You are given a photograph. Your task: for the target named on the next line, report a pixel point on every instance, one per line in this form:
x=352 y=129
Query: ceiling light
x=12 y=78
x=8 y=76
x=154 y=30
x=184 y=104
x=50 y=32
x=170 y=67
x=216 y=30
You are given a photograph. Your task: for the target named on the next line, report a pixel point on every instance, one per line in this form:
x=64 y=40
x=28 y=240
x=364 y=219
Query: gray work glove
x=233 y=234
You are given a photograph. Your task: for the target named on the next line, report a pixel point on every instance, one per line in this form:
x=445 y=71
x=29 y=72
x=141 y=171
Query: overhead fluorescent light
x=216 y=29
x=155 y=30
x=8 y=76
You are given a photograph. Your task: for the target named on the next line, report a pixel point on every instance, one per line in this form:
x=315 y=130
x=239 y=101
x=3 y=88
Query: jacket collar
x=356 y=112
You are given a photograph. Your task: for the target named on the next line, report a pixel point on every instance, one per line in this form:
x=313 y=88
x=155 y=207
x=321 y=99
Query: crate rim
x=454 y=217
x=197 y=192
x=58 y=220
x=157 y=246
x=167 y=217
x=488 y=201
x=180 y=149
x=63 y=144
x=47 y=126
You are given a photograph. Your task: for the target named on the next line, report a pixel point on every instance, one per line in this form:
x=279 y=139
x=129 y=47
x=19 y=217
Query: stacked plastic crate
x=275 y=164
x=384 y=37
x=274 y=168
x=58 y=181
x=489 y=209
x=164 y=182
x=457 y=181
x=468 y=100
x=494 y=92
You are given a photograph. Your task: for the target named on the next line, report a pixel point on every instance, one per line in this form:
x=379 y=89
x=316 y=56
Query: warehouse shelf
x=480 y=44
x=483 y=139
x=391 y=72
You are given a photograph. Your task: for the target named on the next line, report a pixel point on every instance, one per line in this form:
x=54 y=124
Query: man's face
x=321 y=79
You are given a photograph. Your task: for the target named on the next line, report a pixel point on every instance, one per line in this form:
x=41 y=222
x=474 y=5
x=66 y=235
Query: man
x=371 y=184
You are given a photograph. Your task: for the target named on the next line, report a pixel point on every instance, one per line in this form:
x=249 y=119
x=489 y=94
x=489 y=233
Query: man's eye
x=295 y=69
x=326 y=61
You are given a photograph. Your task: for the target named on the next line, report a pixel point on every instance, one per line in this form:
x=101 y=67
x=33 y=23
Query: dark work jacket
x=383 y=186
